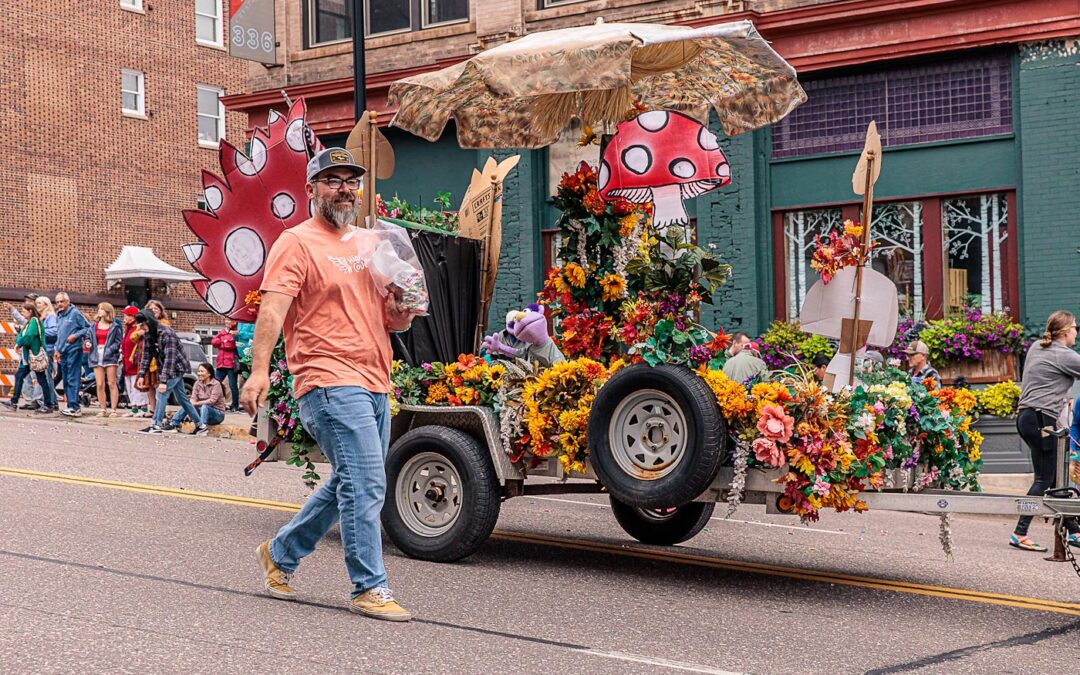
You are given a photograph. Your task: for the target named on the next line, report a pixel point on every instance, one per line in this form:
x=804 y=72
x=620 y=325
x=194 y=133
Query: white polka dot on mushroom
x=295 y=137
x=193 y=251
x=707 y=139
x=603 y=176
x=654 y=120
x=637 y=159
x=683 y=168
x=254 y=164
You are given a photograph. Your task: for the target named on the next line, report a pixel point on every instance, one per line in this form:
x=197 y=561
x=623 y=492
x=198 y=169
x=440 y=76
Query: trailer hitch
x=1061 y=500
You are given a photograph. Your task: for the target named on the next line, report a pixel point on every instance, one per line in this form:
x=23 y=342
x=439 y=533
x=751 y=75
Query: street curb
x=235 y=426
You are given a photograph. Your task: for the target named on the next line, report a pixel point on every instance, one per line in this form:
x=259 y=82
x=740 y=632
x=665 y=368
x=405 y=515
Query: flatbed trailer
x=661 y=454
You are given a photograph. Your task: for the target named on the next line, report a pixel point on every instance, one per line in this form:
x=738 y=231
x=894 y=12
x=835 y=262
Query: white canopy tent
x=139 y=262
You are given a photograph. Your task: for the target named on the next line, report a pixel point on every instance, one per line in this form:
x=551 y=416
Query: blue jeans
x=352 y=428
x=207 y=416
x=43 y=378
x=219 y=375
x=71 y=363
x=174 y=386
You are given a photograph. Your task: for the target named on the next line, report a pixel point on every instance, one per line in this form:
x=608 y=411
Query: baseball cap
x=917 y=347
x=131 y=310
x=330 y=158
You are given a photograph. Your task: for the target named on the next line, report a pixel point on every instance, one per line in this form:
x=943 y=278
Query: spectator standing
x=33 y=395
x=745 y=365
x=31 y=344
x=820 y=364
x=226 y=360
x=129 y=364
x=158 y=309
x=105 y=337
x=738 y=341
x=48 y=319
x=919 y=364
x=71 y=329
x=1050 y=369
x=208 y=397
x=162 y=343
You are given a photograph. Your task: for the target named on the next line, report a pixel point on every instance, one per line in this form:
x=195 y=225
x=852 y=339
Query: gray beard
x=340 y=216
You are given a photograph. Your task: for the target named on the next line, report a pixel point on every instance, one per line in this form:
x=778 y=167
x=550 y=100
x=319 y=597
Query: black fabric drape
x=452 y=271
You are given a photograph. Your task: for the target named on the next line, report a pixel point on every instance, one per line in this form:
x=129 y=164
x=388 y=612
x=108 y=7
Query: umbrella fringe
x=594 y=107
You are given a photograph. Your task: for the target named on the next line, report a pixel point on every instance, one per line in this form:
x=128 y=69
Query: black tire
x=679 y=396
x=476 y=504
x=649 y=526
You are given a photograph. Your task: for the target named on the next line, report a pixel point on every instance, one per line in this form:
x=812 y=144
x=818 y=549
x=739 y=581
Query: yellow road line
x=1069 y=608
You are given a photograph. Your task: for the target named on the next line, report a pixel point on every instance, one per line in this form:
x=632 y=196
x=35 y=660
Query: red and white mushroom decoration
x=662 y=157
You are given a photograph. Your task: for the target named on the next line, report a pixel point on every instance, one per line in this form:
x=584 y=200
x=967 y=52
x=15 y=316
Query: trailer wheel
x=656 y=436
x=444 y=496
x=663 y=527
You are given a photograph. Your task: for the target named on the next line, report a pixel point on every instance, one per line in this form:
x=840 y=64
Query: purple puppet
x=525 y=337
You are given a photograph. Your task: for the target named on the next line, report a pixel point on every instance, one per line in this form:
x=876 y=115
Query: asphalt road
x=129 y=553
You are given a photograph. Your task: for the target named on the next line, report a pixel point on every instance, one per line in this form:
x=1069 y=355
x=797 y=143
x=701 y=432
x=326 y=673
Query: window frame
x=219 y=21
x=220 y=117
x=551 y=4
x=140 y=92
x=132 y=6
x=934 y=262
x=425 y=23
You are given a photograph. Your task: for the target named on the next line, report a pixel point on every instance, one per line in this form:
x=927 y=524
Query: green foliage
x=441 y=218
x=1000 y=399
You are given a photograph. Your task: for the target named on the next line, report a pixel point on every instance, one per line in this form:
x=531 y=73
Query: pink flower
x=767 y=452
x=275 y=377
x=775 y=424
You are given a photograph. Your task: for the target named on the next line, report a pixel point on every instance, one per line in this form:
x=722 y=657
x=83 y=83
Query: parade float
x=631 y=399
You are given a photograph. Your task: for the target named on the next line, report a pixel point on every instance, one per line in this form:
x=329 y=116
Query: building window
x=208 y=22
x=134 y=5
x=211 y=113
x=445 y=11
x=976 y=230
x=965 y=98
x=132 y=92
x=544 y=4
x=941 y=253
x=388 y=16
x=330 y=21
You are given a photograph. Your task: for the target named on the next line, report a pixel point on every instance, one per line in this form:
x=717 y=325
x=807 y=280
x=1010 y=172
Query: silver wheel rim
x=647 y=434
x=429 y=494
x=657 y=515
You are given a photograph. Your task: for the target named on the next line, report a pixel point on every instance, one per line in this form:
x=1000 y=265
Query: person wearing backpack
x=33 y=359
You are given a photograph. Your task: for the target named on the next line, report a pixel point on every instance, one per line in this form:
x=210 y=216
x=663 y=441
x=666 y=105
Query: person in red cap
x=745 y=365
x=137 y=400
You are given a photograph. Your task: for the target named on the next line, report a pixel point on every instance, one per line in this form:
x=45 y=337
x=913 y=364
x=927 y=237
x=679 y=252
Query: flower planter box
x=994 y=367
x=1003 y=451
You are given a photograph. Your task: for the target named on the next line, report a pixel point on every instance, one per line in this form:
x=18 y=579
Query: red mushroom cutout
x=662 y=157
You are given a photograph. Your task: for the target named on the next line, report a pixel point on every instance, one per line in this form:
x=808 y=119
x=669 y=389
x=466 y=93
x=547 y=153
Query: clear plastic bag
x=388 y=254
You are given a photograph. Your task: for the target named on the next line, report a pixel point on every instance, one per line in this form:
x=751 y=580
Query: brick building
x=112 y=110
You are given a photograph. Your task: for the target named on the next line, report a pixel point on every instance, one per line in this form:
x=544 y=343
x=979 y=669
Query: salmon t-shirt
x=335 y=331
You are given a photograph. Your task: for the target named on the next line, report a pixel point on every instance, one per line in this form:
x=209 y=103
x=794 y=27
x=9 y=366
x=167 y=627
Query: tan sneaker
x=275 y=581
x=378 y=603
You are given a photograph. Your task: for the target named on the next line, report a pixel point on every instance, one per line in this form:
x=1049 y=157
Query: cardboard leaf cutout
x=259 y=196
x=872 y=145
x=358 y=143
x=662 y=157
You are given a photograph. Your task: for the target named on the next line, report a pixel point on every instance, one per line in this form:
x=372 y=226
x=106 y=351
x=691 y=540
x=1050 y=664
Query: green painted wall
x=906 y=172
x=423 y=169
x=1049 y=201
x=736 y=220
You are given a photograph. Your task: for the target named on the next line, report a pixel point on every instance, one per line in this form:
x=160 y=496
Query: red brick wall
x=80 y=179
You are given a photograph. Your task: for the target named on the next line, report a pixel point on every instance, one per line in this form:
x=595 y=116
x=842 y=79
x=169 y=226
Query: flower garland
x=284 y=411
x=557 y=403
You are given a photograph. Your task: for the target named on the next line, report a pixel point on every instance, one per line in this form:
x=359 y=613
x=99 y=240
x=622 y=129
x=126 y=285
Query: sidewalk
x=235 y=426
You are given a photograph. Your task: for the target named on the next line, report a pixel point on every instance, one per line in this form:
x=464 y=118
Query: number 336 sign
x=251 y=30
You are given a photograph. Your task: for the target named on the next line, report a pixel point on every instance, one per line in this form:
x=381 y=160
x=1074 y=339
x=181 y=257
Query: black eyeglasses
x=335 y=183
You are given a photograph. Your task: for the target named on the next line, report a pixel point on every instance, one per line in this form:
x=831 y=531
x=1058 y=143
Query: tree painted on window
x=897 y=229
x=800 y=230
x=976 y=229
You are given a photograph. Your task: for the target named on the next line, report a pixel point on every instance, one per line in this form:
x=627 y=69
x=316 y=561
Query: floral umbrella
x=522 y=94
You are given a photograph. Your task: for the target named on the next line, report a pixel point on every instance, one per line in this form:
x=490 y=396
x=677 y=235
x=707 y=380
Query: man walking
x=71 y=329
x=341 y=377
x=163 y=344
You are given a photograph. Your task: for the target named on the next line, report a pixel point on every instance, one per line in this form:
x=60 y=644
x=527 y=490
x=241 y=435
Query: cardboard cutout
x=260 y=196
x=662 y=157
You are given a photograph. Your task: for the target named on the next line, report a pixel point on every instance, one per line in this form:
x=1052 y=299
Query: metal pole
x=359 y=68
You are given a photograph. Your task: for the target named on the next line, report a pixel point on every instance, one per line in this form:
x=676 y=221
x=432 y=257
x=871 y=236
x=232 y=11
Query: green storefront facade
x=979 y=199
